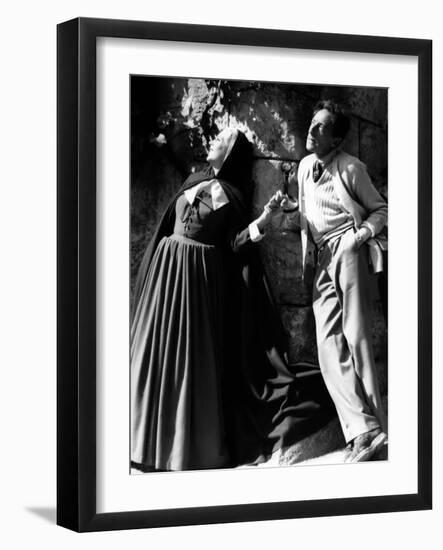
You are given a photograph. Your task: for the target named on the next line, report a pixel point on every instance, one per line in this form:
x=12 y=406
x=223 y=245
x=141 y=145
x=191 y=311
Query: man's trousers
x=342 y=312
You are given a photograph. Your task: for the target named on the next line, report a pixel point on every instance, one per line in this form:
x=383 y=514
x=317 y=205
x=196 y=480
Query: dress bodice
x=201 y=222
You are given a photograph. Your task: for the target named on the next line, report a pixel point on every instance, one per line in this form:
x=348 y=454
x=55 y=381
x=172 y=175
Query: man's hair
x=341 y=122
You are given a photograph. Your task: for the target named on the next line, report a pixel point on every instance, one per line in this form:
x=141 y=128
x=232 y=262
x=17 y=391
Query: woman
x=205 y=338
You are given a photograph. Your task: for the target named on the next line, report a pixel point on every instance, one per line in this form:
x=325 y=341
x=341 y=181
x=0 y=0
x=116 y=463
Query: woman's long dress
x=177 y=345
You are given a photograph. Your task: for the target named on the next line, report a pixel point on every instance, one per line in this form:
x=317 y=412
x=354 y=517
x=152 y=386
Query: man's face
x=320 y=138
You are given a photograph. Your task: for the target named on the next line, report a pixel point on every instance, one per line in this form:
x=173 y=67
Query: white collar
x=213 y=187
x=327 y=158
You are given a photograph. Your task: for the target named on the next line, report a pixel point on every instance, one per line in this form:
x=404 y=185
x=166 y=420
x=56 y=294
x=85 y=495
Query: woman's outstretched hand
x=271 y=208
x=275 y=202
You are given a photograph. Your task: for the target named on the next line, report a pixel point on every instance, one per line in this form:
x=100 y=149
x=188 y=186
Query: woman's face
x=217 y=150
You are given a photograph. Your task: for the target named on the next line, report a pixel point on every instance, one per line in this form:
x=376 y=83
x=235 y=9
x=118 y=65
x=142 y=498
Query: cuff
x=254 y=233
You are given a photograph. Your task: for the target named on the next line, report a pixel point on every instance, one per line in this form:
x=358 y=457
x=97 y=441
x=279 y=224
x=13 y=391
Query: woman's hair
x=237 y=167
x=341 y=122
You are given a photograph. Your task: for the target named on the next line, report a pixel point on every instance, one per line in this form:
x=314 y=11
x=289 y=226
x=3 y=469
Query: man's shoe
x=382 y=454
x=366 y=445
x=348 y=451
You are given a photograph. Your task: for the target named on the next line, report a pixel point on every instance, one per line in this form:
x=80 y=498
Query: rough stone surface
x=327 y=439
x=324 y=441
x=373 y=153
x=300 y=326
x=275 y=116
x=281 y=255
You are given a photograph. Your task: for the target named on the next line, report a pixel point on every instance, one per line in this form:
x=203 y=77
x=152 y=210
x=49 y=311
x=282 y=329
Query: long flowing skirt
x=177 y=421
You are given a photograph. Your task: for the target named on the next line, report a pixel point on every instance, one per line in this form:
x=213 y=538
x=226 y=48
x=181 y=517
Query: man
x=342 y=214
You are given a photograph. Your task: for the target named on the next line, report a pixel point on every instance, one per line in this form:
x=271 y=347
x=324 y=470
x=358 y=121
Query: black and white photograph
x=258 y=274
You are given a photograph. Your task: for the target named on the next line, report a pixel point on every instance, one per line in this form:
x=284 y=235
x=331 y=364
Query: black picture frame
x=76 y=274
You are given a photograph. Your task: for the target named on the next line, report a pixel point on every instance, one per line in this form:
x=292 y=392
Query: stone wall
x=172 y=122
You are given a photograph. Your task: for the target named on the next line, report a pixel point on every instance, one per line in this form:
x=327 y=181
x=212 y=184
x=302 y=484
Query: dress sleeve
x=241 y=238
